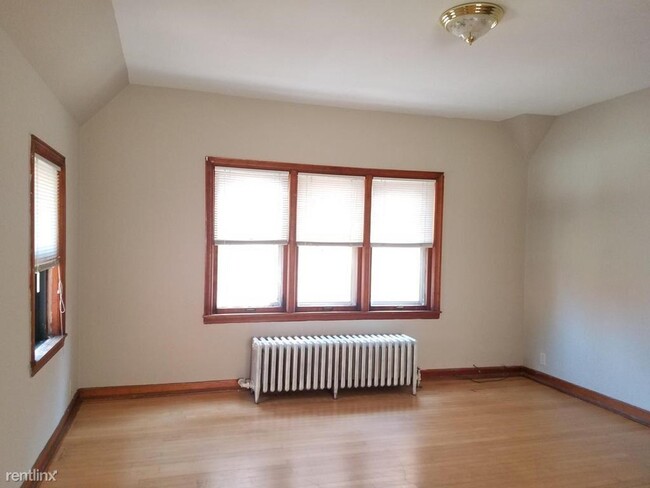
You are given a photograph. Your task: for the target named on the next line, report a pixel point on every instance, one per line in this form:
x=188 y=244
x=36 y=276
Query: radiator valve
x=244 y=383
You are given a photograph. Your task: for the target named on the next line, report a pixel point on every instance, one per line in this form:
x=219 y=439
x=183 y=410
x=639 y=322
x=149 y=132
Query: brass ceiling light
x=470 y=21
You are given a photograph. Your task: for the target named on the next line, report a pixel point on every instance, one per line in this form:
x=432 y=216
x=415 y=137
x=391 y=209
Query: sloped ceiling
x=546 y=57
x=75 y=47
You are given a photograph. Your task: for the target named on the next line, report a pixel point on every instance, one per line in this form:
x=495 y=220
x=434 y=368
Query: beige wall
x=30 y=408
x=142 y=229
x=588 y=250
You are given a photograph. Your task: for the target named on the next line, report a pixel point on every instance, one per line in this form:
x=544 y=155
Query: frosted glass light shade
x=471 y=20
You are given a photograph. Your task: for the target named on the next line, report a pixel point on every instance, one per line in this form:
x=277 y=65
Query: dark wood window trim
x=45 y=351
x=289 y=311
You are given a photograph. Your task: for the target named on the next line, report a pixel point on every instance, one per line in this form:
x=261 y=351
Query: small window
x=293 y=242
x=47 y=273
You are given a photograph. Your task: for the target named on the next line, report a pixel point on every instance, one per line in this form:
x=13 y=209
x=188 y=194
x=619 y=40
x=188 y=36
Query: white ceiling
x=75 y=47
x=375 y=54
x=546 y=57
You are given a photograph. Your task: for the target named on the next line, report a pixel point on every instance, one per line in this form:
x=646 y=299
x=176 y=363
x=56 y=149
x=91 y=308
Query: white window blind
x=46 y=214
x=402 y=212
x=330 y=209
x=251 y=206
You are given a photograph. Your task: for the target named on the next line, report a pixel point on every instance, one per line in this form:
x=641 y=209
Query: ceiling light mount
x=470 y=21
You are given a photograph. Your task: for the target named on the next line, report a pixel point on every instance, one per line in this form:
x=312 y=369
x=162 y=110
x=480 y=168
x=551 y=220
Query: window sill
x=233 y=318
x=46 y=351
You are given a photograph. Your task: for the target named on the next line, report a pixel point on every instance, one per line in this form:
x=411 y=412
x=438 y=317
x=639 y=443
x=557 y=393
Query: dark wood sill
x=233 y=318
x=46 y=351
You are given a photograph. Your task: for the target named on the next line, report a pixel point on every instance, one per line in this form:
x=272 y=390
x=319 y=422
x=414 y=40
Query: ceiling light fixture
x=470 y=21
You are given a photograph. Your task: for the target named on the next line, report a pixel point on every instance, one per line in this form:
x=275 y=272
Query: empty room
x=325 y=243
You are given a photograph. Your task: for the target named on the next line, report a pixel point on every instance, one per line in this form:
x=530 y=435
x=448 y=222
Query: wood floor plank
x=455 y=433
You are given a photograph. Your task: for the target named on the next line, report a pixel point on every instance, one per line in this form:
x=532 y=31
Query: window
x=47 y=269
x=401 y=232
x=251 y=229
x=289 y=242
x=329 y=234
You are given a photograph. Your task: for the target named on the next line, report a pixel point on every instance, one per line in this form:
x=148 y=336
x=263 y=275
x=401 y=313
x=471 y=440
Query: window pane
x=397 y=276
x=330 y=209
x=402 y=211
x=327 y=276
x=249 y=276
x=251 y=205
x=41 y=288
x=46 y=212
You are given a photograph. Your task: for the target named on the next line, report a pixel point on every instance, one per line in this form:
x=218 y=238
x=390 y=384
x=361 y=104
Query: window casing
x=47 y=253
x=327 y=256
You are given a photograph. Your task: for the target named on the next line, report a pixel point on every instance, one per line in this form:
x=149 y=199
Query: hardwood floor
x=455 y=433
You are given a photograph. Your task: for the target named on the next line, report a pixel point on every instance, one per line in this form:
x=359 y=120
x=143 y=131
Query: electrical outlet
x=542 y=358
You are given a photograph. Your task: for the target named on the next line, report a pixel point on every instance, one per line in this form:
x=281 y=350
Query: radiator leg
x=415 y=369
x=257 y=371
x=335 y=392
x=417 y=378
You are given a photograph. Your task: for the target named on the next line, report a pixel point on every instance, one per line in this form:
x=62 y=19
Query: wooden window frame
x=47 y=350
x=289 y=311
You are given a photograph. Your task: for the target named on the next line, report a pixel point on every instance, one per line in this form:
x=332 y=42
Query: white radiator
x=332 y=362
